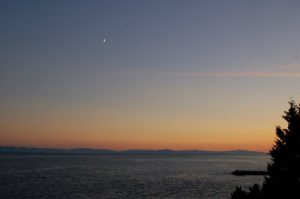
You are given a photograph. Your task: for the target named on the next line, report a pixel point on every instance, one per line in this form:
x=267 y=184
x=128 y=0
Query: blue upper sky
x=168 y=55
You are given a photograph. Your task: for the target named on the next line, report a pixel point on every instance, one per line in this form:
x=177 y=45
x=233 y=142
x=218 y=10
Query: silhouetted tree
x=284 y=170
x=255 y=192
x=239 y=193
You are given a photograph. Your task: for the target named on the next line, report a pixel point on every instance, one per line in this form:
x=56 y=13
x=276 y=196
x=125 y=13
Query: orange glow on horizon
x=154 y=127
x=181 y=143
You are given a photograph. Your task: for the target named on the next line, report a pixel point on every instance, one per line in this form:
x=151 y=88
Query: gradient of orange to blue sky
x=209 y=74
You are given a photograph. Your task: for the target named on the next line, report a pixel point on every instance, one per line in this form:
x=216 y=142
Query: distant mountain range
x=89 y=151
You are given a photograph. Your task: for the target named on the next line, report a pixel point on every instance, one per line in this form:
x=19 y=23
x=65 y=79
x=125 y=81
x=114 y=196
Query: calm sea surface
x=99 y=176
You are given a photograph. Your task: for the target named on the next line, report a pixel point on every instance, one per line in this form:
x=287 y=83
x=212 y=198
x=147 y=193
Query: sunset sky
x=147 y=74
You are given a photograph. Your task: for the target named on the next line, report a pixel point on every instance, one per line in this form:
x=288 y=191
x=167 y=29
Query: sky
x=147 y=74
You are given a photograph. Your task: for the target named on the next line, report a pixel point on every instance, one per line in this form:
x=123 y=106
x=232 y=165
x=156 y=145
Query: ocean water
x=133 y=176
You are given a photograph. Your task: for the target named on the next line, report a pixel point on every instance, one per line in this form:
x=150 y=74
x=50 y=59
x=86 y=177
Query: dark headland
x=249 y=172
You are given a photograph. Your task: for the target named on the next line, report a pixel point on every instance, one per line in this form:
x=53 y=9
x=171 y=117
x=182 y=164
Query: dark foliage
x=239 y=193
x=284 y=170
x=254 y=193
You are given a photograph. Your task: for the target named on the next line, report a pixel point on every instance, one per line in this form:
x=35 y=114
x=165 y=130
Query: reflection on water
x=99 y=176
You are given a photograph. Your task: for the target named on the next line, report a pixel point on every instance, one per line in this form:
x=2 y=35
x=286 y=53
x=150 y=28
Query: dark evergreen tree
x=239 y=193
x=254 y=193
x=284 y=170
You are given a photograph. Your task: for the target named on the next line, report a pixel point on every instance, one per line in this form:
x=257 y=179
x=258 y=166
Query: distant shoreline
x=90 y=151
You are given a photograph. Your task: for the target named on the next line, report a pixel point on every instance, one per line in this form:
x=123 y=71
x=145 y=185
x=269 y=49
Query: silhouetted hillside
x=28 y=150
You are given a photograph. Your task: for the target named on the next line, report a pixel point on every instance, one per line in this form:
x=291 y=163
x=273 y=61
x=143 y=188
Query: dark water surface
x=99 y=176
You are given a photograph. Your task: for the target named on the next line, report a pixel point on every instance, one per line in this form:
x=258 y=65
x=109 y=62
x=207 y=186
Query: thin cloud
x=288 y=66
x=232 y=74
x=238 y=74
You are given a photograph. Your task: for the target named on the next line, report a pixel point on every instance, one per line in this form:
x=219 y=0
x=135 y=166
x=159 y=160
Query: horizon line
x=122 y=150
